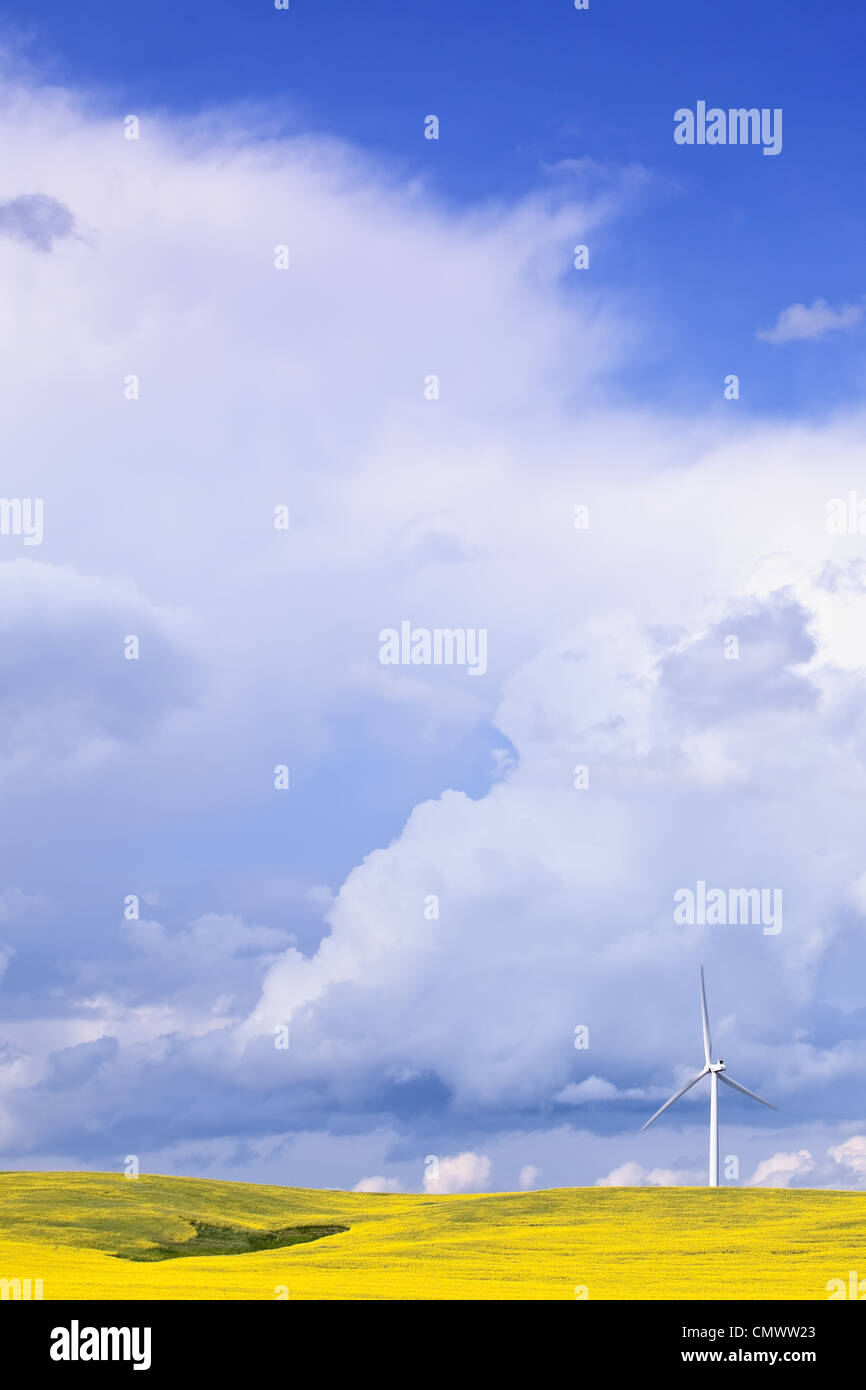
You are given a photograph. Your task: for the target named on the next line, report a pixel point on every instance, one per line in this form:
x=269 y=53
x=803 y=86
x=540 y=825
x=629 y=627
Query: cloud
x=14 y=903
x=68 y=690
x=205 y=974
x=799 y=321
x=377 y=1185
x=856 y=894
x=851 y=1154
x=534 y=840
x=529 y=1176
x=628 y=178
x=464 y=1172
x=36 y=219
x=633 y=1174
x=773 y=642
x=259 y=647
x=782 y=1169
x=73 y=1066
x=595 y=1088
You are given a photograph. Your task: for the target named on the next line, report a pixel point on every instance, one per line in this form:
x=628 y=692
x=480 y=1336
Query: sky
x=281 y=299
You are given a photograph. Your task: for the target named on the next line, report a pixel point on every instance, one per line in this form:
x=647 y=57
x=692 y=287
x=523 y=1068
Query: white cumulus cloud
x=851 y=1154
x=633 y=1174
x=377 y=1184
x=781 y=1169
x=800 y=321
x=466 y=1172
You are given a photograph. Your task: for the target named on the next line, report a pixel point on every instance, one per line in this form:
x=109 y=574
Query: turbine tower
x=716 y=1072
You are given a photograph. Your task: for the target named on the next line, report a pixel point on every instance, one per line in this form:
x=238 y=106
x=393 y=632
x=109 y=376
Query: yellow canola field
x=616 y=1243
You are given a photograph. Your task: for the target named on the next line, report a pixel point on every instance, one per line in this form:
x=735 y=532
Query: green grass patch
x=227 y=1240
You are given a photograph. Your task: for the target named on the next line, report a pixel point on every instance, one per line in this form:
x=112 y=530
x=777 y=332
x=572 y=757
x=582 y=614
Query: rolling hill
x=97 y=1235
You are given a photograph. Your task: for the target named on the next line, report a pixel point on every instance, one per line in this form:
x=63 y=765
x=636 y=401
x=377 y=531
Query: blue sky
x=413 y=1035
x=521 y=87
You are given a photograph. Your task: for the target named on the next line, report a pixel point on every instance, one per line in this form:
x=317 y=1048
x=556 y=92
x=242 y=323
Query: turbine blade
x=688 y=1086
x=705 y=1022
x=735 y=1086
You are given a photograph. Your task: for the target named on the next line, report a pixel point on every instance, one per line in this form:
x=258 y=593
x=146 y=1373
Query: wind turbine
x=716 y=1072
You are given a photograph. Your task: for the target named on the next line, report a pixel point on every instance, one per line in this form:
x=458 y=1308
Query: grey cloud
x=35 y=218
x=73 y=1066
x=704 y=687
x=65 y=683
